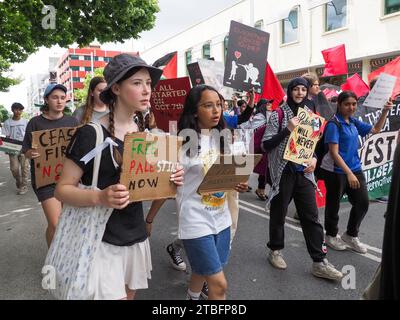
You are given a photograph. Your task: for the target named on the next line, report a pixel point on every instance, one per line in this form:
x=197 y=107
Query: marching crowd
x=118 y=103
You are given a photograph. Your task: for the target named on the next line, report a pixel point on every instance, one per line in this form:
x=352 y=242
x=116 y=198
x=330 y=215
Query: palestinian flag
x=169 y=65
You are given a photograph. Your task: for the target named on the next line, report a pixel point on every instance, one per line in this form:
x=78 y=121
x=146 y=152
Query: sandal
x=261 y=195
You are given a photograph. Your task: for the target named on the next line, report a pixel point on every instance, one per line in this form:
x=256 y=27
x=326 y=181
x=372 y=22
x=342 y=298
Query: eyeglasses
x=210 y=105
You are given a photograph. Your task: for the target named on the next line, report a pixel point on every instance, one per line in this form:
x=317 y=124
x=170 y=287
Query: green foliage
x=81 y=94
x=4 y=115
x=78 y=21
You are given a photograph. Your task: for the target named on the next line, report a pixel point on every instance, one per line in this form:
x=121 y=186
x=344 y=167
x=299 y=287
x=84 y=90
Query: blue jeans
x=209 y=254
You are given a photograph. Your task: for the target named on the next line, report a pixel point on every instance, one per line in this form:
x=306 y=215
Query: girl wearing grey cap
x=123 y=261
x=55 y=97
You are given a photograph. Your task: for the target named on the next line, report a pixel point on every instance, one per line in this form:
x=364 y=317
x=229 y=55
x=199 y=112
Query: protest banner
x=377 y=151
x=148 y=162
x=10 y=146
x=51 y=146
x=381 y=92
x=167 y=100
x=227 y=172
x=213 y=75
x=246 y=58
x=303 y=139
x=195 y=74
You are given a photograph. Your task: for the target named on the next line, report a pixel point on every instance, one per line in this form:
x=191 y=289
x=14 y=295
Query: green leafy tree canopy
x=81 y=94
x=26 y=25
x=4 y=114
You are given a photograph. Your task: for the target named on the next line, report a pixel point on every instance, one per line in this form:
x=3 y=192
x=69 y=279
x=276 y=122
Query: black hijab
x=292 y=84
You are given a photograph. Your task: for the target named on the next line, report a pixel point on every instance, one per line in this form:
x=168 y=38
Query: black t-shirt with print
x=125 y=227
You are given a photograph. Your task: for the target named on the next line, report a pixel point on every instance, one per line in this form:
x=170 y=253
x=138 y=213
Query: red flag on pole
x=335 y=61
x=169 y=64
x=272 y=88
x=392 y=68
x=356 y=84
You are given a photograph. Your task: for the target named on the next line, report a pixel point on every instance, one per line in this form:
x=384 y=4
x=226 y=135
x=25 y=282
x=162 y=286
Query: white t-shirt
x=15 y=129
x=201 y=215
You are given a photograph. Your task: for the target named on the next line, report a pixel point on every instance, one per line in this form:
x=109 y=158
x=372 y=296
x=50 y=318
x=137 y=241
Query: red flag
x=169 y=64
x=335 y=61
x=356 y=84
x=272 y=88
x=392 y=68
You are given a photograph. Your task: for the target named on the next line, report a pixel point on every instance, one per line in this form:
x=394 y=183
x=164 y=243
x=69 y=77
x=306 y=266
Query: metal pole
x=91 y=59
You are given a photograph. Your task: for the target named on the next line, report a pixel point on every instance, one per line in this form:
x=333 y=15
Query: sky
x=174 y=17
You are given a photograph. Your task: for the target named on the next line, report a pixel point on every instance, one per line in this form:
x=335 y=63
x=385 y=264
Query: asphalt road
x=250 y=277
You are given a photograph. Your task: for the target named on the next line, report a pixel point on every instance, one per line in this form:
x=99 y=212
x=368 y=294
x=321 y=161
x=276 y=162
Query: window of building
x=74 y=68
x=290 y=27
x=207 y=50
x=88 y=58
x=335 y=15
x=76 y=79
x=88 y=68
x=392 y=6
x=259 y=24
x=74 y=57
x=226 y=40
x=188 y=56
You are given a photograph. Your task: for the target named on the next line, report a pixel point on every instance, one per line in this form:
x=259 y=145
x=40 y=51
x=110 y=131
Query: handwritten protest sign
x=303 y=139
x=167 y=100
x=10 y=146
x=227 y=172
x=51 y=145
x=148 y=162
x=381 y=92
x=246 y=57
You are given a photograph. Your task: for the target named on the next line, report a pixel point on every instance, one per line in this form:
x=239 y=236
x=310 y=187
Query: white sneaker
x=326 y=270
x=335 y=243
x=276 y=260
x=354 y=243
x=23 y=190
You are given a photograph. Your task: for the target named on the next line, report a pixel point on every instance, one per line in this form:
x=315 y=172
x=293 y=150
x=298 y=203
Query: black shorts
x=45 y=192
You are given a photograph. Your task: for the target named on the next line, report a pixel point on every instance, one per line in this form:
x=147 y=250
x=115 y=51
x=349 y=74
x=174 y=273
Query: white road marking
x=265 y=216
x=21 y=210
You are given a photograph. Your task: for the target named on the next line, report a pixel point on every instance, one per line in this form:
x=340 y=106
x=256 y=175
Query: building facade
x=75 y=64
x=299 y=31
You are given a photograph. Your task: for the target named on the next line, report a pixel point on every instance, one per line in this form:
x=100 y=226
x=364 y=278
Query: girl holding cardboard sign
x=292 y=181
x=55 y=97
x=342 y=171
x=204 y=220
x=122 y=261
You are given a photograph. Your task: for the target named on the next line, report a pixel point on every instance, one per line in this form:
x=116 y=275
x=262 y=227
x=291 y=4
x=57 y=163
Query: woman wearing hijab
x=293 y=181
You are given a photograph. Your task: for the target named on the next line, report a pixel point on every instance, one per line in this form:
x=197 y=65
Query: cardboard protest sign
x=246 y=58
x=10 y=146
x=195 y=74
x=227 y=172
x=167 y=100
x=381 y=92
x=303 y=139
x=148 y=162
x=51 y=145
x=213 y=75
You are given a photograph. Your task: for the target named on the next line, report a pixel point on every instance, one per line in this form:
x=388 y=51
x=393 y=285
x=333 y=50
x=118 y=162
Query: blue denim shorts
x=209 y=254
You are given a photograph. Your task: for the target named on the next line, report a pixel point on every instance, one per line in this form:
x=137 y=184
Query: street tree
x=26 y=25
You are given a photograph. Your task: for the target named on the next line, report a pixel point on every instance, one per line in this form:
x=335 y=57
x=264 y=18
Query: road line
x=376 y=250
x=263 y=215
